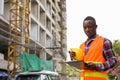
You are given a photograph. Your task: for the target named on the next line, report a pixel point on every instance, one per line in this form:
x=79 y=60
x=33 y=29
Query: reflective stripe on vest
x=95 y=74
x=81 y=78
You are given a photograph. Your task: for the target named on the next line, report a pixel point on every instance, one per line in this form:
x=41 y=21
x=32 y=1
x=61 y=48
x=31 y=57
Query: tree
x=72 y=71
x=116 y=47
x=114 y=72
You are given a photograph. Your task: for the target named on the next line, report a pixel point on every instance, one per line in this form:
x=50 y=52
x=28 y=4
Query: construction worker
x=98 y=54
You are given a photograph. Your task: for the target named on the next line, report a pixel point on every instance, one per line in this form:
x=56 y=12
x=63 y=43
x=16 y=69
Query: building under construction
x=33 y=26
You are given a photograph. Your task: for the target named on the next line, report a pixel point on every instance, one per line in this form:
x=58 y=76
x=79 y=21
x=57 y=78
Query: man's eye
x=90 y=26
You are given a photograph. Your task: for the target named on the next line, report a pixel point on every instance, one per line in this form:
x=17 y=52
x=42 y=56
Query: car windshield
x=37 y=77
x=28 y=77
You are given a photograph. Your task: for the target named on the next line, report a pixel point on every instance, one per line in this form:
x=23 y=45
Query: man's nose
x=87 y=29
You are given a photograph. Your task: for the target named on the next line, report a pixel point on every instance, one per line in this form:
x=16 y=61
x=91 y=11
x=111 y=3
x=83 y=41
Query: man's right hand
x=72 y=55
x=89 y=66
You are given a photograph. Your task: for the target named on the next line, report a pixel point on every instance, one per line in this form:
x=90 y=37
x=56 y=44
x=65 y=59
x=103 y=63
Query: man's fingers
x=72 y=54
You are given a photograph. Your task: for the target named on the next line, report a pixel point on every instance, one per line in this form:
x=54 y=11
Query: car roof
x=39 y=72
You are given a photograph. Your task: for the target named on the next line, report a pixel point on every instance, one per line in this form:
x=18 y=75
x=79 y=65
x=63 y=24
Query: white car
x=37 y=75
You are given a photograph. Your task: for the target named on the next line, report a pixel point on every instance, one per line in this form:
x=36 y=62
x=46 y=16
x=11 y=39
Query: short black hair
x=90 y=18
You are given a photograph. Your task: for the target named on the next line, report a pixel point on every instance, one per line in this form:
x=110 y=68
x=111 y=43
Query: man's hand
x=72 y=55
x=89 y=66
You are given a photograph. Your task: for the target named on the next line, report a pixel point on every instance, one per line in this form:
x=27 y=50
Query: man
x=98 y=53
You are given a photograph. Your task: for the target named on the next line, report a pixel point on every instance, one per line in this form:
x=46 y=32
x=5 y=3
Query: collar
x=92 y=38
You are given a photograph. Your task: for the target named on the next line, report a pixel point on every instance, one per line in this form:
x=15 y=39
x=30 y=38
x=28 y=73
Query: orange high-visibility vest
x=94 y=55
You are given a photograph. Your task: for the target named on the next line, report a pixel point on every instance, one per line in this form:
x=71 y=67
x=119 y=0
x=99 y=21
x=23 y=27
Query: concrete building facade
x=47 y=31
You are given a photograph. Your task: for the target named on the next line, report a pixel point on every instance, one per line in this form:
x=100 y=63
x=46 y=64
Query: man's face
x=89 y=28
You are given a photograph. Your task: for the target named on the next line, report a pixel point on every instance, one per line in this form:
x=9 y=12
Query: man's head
x=89 y=26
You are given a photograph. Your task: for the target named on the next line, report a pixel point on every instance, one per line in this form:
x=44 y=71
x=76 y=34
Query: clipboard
x=79 y=64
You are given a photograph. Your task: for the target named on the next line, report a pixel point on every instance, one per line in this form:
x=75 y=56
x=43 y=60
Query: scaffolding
x=19 y=32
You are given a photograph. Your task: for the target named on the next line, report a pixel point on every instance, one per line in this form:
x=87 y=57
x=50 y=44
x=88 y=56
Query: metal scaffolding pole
x=12 y=48
x=19 y=22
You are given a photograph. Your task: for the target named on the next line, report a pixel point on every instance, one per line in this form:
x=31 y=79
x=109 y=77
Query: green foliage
x=113 y=72
x=111 y=77
x=116 y=47
x=72 y=71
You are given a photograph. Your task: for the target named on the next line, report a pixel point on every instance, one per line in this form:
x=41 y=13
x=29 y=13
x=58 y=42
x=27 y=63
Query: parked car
x=37 y=75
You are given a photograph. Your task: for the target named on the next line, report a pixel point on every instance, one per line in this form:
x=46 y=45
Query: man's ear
x=96 y=26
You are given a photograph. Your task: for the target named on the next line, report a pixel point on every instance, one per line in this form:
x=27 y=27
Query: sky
x=106 y=13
